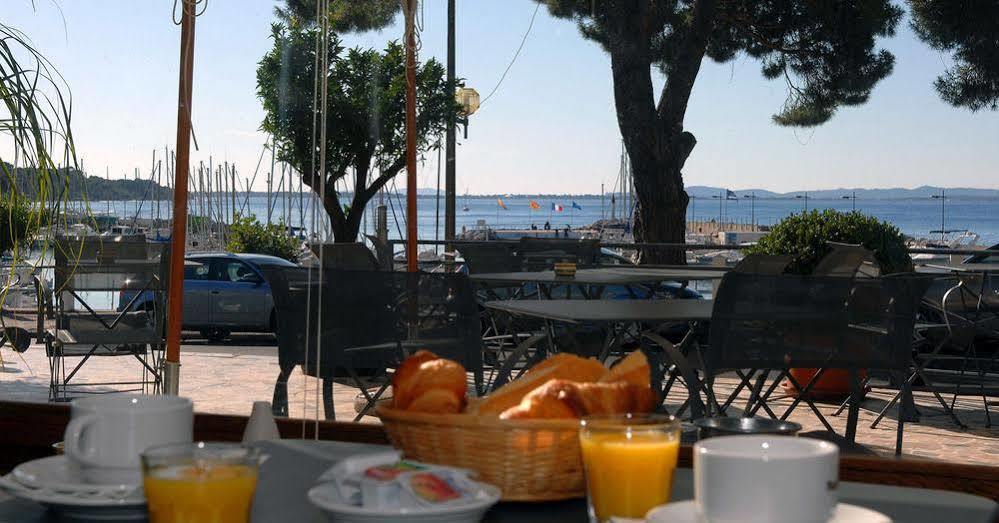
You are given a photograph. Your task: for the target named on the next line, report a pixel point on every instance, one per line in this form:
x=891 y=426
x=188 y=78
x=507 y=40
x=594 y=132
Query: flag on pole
x=557 y=208
x=729 y=195
x=576 y=205
x=499 y=201
x=535 y=205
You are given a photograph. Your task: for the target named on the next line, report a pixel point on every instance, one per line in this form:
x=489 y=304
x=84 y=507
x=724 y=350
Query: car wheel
x=215 y=334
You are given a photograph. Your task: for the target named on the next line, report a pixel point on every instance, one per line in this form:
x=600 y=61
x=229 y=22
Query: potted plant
x=806 y=237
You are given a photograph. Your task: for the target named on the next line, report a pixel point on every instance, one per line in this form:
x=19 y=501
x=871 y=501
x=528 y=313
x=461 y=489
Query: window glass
x=234 y=271
x=195 y=270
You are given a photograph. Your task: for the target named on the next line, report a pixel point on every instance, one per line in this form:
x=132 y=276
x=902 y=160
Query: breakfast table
x=293 y=466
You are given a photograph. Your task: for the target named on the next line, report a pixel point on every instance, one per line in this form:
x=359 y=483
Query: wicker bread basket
x=529 y=460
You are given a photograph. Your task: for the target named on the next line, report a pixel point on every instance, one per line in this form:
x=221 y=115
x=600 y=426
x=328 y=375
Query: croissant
x=562 y=366
x=566 y=399
x=427 y=383
x=634 y=369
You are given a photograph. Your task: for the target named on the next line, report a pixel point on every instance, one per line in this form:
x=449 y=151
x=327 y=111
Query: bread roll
x=559 y=399
x=634 y=369
x=560 y=366
x=427 y=383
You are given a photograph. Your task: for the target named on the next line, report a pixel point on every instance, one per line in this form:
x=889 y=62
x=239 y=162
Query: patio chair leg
x=743 y=383
x=754 y=392
x=506 y=369
x=846 y=402
x=279 y=403
x=853 y=414
x=803 y=392
x=884 y=411
x=372 y=400
x=697 y=408
x=903 y=415
x=943 y=403
x=761 y=402
x=328 y=409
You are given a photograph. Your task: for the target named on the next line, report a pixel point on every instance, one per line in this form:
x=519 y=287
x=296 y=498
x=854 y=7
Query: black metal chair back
x=489 y=257
x=542 y=253
x=314 y=309
x=342 y=324
x=762 y=264
x=782 y=321
x=90 y=277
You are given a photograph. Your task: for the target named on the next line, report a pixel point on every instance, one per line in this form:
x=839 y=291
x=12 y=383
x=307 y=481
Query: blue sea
x=914 y=217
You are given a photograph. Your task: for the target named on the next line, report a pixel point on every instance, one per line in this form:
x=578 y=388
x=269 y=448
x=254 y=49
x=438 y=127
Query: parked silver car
x=226 y=292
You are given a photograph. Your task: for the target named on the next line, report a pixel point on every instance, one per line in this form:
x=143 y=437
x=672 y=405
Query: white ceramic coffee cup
x=773 y=479
x=108 y=432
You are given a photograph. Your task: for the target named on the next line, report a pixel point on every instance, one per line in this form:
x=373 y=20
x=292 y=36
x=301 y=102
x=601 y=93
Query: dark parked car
x=224 y=292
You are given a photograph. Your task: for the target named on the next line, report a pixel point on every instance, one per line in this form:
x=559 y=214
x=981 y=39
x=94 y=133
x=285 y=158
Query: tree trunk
x=660 y=210
x=348 y=230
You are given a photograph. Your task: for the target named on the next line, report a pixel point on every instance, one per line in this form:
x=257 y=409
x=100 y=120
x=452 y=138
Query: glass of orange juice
x=200 y=482
x=629 y=462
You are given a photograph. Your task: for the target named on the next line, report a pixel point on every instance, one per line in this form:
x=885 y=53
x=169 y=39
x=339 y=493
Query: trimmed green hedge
x=248 y=235
x=805 y=236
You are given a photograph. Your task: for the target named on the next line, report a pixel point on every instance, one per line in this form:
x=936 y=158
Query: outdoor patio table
x=614 y=314
x=294 y=465
x=608 y=311
x=597 y=278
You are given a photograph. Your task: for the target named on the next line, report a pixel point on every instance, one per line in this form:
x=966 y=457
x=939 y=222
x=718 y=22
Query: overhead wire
x=515 y=55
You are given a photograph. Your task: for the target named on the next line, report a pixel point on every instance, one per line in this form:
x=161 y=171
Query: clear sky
x=549 y=128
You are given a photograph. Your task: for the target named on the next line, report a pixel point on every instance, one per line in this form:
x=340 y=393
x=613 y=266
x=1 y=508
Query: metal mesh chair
x=487 y=257
x=847 y=261
x=961 y=320
x=538 y=254
x=351 y=326
x=90 y=319
x=785 y=321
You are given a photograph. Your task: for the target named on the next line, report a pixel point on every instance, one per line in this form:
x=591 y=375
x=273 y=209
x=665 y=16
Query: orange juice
x=628 y=473
x=219 y=493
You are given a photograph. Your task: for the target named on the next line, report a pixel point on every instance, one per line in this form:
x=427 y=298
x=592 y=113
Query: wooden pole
x=449 y=145
x=175 y=296
x=411 y=229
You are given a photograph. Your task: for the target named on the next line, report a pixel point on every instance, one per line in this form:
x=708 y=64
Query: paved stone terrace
x=227 y=379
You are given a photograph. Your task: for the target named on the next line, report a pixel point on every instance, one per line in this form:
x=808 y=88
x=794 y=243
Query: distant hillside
x=82 y=187
x=898 y=193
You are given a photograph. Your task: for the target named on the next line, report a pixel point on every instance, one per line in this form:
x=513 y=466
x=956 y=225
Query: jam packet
x=383 y=481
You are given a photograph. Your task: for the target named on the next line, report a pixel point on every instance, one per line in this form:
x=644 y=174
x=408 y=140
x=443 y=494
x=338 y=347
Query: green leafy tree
x=365 y=125
x=347 y=16
x=825 y=51
x=247 y=234
x=969 y=30
x=806 y=237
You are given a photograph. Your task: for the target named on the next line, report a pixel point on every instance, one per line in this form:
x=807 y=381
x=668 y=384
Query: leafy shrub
x=248 y=235
x=16 y=222
x=805 y=237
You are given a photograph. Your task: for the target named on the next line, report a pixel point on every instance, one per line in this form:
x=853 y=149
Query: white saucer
x=686 y=512
x=56 y=484
x=59 y=474
x=327 y=498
